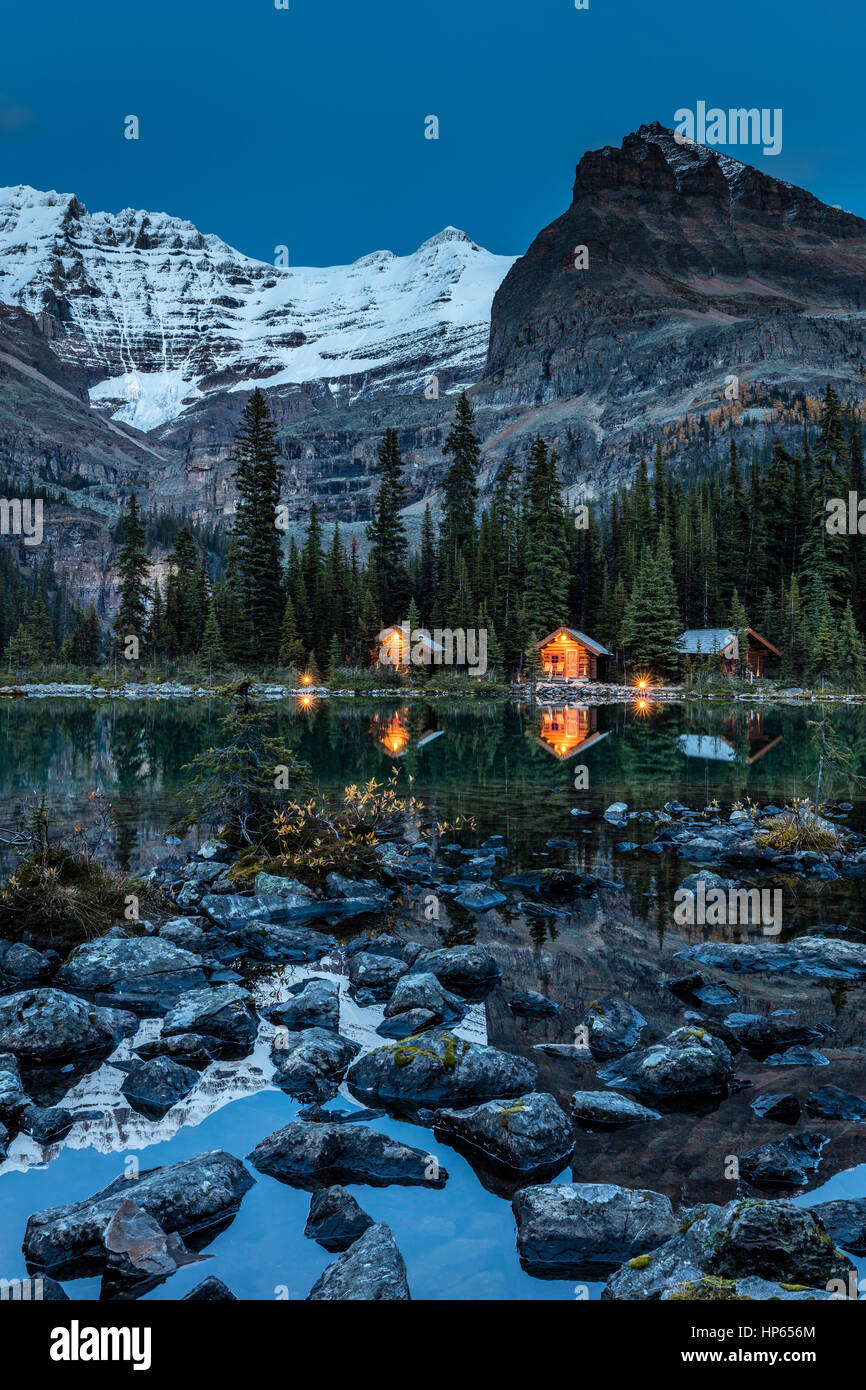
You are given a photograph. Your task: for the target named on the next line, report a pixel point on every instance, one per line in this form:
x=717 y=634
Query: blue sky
x=305 y=126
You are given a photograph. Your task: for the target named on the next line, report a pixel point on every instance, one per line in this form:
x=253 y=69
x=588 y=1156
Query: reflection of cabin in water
x=564 y=732
x=718 y=749
x=567 y=654
x=394 y=735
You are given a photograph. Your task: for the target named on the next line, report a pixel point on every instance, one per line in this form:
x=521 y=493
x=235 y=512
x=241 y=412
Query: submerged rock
x=336 y=1219
x=153 y=1087
x=525 y=1134
x=690 y=1062
x=47 y=1023
x=608 y=1110
x=210 y=1290
x=372 y=1270
x=772 y=1106
x=845 y=1220
x=815 y=957
x=797 y=1057
x=775 y=1241
x=786 y=1162
x=533 y=1004
x=832 y=1103
x=565 y=1228
x=180 y=1196
x=439 y=1069
x=312 y=1154
x=480 y=898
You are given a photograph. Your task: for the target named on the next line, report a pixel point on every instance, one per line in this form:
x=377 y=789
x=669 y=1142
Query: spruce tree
x=132 y=569
x=257 y=476
x=386 y=532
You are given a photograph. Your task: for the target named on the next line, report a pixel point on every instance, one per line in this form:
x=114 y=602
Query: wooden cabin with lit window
x=725 y=646
x=395 y=648
x=567 y=654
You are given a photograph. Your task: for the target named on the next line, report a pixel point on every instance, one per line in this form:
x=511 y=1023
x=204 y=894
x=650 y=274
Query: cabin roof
x=580 y=637
x=763 y=641
x=706 y=640
x=417 y=634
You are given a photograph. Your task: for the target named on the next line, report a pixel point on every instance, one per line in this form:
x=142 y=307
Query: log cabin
x=723 y=643
x=567 y=654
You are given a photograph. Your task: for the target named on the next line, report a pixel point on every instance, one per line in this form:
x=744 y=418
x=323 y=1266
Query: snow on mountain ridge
x=160 y=314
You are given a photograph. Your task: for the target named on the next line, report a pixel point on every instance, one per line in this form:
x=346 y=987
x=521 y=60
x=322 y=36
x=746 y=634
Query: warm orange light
x=641 y=685
x=306 y=699
x=642 y=704
x=306 y=680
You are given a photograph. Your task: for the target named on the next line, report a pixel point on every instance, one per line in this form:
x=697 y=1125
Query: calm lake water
x=518 y=772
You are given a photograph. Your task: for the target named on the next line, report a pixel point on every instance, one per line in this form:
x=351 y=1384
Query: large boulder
x=614 y=1026
x=690 y=1062
x=47 y=1024
x=424 y=991
x=565 y=1228
x=335 y=1219
x=272 y=942
x=372 y=1270
x=527 y=1134
x=182 y=1197
x=763 y=1032
x=313 y=1154
x=311 y=1062
x=469 y=971
x=136 y=970
x=313 y=1004
x=376 y=973
x=774 y=1241
x=832 y=1103
x=438 y=1068
x=223 y=1012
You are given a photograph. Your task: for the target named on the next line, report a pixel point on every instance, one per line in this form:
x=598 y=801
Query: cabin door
x=572 y=660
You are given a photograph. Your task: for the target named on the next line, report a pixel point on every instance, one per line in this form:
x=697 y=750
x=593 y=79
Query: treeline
x=744 y=546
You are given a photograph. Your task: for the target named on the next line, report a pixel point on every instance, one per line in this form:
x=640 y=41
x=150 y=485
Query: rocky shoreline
x=378 y=1014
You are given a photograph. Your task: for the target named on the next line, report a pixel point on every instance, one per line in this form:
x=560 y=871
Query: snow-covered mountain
x=160 y=316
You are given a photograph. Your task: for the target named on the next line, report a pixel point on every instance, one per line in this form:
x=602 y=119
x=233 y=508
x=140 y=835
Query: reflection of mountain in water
x=120 y=1128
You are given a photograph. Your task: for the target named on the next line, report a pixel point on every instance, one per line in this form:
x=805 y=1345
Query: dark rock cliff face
x=698 y=267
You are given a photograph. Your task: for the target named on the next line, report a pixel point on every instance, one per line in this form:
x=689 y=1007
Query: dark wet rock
x=563 y=1229
x=407 y=1024
x=235 y=911
x=832 y=1103
x=223 y=1012
x=375 y=973
x=533 y=1004
x=845 y=1221
x=312 y=1154
x=690 y=1062
x=311 y=1062
x=20 y=962
x=182 y=1197
x=336 y=1219
x=383 y=945
x=614 y=1026
x=797 y=1057
x=275 y=885
x=134 y=970
x=48 y=1124
x=762 y=1032
x=559 y=884
x=787 y=1162
x=190 y=1049
x=13 y=1097
x=138 y=1248
x=153 y=1087
x=815 y=957
x=423 y=990
x=48 y=1023
x=189 y=936
x=338 y=886
x=371 y=1270
x=312 y=1004
x=439 y=1069
x=541 y=911
x=5 y=1140
x=478 y=898
x=210 y=1290
x=469 y=971
x=607 y=1110
x=775 y=1241
x=626 y=846
x=617 y=813
x=527 y=1134
x=560 y=844
x=784 y=1108
x=294 y=945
